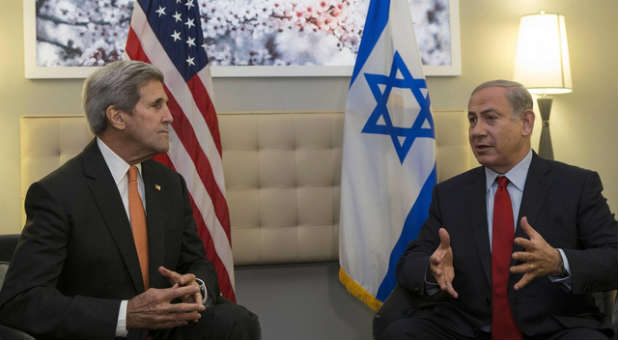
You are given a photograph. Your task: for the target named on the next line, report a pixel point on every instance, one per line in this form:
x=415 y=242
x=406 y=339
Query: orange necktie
x=138 y=224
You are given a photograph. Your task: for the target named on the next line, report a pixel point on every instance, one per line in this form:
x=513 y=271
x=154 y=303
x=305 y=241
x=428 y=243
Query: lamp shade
x=542 y=60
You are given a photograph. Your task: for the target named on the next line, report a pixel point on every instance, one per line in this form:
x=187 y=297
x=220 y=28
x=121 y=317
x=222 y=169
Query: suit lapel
x=156 y=202
x=112 y=210
x=535 y=191
x=475 y=198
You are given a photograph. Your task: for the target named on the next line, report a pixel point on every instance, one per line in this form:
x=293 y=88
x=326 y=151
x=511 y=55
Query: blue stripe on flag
x=416 y=217
x=377 y=17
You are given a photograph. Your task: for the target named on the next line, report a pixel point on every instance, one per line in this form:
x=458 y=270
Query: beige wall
x=584 y=123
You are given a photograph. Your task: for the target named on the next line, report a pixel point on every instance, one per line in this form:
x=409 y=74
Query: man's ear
x=527 y=119
x=115 y=117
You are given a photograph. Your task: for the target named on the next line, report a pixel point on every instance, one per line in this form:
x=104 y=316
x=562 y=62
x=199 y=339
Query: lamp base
x=545 y=148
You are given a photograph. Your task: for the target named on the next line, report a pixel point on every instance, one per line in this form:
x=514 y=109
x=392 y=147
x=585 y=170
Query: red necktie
x=502 y=324
x=138 y=225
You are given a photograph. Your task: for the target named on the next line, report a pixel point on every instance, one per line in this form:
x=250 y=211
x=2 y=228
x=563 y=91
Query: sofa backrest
x=282 y=173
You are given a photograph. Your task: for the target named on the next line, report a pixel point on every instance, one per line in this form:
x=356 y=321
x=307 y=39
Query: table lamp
x=542 y=65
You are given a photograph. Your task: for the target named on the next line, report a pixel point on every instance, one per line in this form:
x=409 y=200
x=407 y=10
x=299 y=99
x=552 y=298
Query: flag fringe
x=358 y=292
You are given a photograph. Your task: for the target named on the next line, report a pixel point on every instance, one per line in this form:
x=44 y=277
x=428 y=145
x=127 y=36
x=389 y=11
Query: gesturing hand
x=539 y=259
x=153 y=308
x=441 y=264
x=183 y=280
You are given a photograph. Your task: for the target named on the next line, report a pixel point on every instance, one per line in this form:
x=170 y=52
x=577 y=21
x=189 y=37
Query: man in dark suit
x=514 y=248
x=110 y=247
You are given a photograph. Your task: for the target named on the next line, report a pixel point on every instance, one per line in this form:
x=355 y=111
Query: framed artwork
x=243 y=38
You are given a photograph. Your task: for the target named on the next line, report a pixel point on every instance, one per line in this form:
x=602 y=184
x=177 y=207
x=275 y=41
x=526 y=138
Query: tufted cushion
x=282 y=173
x=282 y=177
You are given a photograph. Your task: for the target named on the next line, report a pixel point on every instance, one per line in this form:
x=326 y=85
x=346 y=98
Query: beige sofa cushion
x=282 y=173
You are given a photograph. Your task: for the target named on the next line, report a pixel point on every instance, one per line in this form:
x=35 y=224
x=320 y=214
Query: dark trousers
x=223 y=320
x=417 y=328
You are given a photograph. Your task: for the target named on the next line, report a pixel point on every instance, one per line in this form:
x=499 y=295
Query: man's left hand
x=538 y=259
x=182 y=280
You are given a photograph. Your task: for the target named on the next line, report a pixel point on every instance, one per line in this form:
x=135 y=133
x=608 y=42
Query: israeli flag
x=388 y=165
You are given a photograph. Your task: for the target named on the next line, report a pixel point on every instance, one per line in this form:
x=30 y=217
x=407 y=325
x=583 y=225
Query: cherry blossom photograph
x=90 y=33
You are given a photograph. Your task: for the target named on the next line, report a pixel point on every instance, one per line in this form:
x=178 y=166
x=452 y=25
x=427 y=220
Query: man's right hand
x=441 y=264
x=154 y=308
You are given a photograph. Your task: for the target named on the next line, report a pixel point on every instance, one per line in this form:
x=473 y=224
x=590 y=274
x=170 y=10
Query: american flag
x=168 y=34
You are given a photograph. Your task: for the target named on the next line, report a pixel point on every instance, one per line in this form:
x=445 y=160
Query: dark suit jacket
x=564 y=204
x=76 y=257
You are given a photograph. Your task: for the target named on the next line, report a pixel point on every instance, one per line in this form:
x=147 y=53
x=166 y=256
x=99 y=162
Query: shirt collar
x=117 y=166
x=516 y=176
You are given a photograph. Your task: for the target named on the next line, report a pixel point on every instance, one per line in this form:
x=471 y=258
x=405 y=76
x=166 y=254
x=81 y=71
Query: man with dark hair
x=514 y=247
x=110 y=248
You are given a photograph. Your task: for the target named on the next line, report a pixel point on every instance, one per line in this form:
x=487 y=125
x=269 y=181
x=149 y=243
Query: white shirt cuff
x=565 y=261
x=121 y=325
x=565 y=281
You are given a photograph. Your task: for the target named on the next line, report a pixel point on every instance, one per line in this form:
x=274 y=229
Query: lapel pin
x=157 y=187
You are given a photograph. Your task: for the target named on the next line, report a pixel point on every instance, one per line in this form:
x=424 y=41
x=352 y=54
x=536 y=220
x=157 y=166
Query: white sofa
x=282 y=172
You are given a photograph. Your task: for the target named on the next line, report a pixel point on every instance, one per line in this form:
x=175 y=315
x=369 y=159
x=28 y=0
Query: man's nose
x=167 y=115
x=477 y=130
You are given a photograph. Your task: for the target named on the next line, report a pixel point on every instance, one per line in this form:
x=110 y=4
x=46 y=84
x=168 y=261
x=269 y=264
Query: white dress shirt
x=517 y=180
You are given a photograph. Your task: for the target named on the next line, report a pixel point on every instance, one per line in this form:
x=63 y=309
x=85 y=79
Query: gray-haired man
x=517 y=245
x=86 y=265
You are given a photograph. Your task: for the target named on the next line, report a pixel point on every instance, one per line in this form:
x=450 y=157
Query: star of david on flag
x=380 y=121
x=386 y=183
